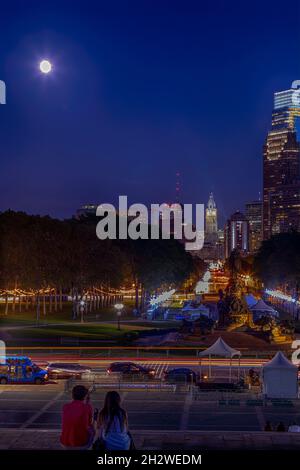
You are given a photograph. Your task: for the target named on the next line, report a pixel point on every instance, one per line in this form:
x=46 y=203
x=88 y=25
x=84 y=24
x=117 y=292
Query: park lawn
x=52 y=335
x=96 y=333
x=29 y=317
x=87 y=334
x=145 y=324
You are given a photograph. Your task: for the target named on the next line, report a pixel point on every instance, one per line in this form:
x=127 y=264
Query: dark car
x=63 y=370
x=181 y=374
x=131 y=369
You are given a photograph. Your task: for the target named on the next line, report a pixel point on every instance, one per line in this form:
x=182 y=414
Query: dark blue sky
x=139 y=90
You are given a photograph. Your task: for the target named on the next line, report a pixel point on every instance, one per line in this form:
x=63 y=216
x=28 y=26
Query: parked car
x=63 y=370
x=181 y=374
x=131 y=369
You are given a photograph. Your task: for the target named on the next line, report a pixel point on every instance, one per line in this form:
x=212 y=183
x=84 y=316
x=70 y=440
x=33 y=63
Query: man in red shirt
x=77 y=420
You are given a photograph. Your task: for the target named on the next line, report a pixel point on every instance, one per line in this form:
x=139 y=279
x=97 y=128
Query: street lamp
x=81 y=308
x=119 y=308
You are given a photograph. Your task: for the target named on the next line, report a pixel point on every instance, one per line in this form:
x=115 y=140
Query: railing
x=154 y=352
x=118 y=382
x=221 y=398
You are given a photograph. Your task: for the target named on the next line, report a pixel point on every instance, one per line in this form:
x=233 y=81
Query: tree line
x=275 y=265
x=52 y=258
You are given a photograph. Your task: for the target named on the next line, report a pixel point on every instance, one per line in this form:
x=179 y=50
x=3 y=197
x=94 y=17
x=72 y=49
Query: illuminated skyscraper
x=236 y=234
x=254 y=216
x=281 y=175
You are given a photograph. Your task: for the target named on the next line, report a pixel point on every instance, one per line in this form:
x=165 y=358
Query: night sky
x=139 y=90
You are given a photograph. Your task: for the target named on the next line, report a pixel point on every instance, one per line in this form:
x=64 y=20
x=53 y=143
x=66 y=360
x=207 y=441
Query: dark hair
x=112 y=409
x=79 y=392
x=268 y=426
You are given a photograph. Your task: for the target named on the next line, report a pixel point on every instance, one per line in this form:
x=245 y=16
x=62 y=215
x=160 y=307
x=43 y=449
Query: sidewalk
x=159 y=440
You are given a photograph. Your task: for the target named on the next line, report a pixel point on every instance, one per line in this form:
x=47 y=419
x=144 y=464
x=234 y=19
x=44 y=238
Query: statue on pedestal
x=232 y=307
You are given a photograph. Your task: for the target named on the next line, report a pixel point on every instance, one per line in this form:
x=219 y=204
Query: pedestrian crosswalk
x=160 y=368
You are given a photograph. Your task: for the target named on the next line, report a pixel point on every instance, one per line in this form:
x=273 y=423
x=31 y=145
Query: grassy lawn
x=30 y=316
x=58 y=335
x=88 y=332
x=142 y=324
x=58 y=328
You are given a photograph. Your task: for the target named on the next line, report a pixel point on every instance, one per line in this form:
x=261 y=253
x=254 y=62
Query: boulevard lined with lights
x=280 y=295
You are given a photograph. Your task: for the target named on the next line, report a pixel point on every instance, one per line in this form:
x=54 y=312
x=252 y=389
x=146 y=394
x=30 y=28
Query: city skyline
x=186 y=102
x=280 y=104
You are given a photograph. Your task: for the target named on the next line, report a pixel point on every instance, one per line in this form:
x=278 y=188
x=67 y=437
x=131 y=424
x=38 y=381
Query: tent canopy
x=220 y=348
x=280 y=378
x=279 y=361
x=251 y=300
x=261 y=306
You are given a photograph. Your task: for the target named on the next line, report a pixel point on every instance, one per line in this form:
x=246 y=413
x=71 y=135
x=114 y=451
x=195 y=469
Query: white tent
x=220 y=348
x=280 y=378
x=261 y=308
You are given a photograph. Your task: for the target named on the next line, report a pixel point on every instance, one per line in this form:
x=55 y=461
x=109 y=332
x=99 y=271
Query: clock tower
x=211 y=218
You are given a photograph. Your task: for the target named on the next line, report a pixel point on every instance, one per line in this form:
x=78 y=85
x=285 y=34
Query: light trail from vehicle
x=96 y=361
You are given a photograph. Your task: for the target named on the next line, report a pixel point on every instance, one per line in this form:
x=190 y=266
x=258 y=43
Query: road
x=163 y=366
x=219 y=367
x=99 y=360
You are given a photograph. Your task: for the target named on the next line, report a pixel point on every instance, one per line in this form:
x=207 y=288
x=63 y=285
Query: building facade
x=211 y=219
x=87 y=210
x=253 y=214
x=236 y=234
x=213 y=248
x=281 y=172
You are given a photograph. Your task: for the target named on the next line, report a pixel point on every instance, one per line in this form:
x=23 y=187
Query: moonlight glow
x=45 y=66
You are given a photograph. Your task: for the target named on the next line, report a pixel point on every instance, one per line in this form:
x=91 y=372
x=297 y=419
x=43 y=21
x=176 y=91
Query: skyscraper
x=236 y=234
x=281 y=175
x=254 y=216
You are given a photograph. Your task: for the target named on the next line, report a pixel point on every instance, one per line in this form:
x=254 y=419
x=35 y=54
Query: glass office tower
x=281 y=172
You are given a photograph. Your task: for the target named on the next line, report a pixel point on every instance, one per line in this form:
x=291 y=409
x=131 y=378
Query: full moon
x=45 y=66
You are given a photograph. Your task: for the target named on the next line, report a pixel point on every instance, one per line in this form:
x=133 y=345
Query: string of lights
x=280 y=295
x=52 y=290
